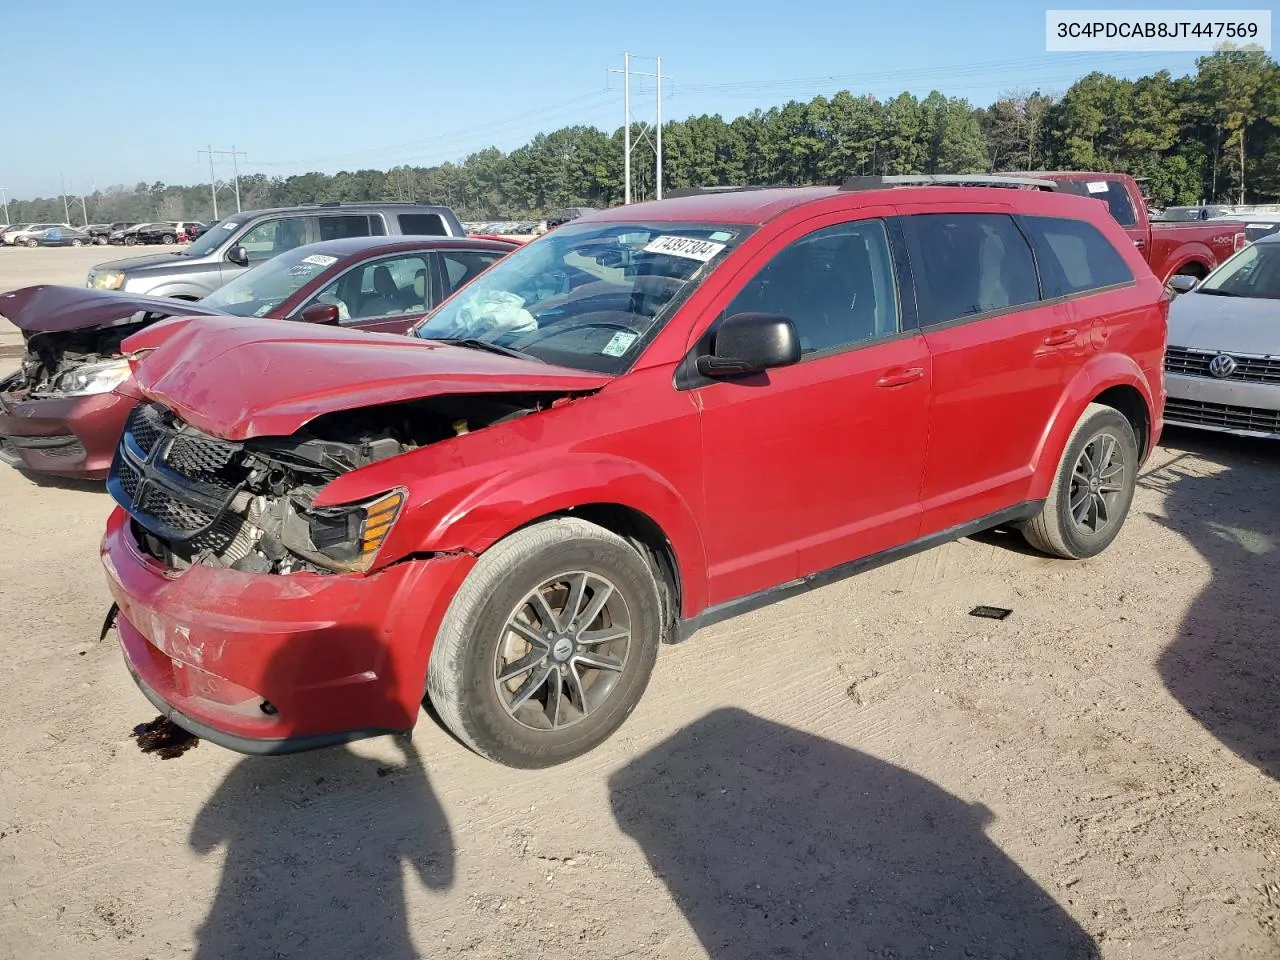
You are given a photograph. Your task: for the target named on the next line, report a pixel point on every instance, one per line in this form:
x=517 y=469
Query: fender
x=498 y=508
x=1191 y=253
x=1100 y=373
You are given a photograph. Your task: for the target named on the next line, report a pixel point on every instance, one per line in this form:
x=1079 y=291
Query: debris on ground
x=164 y=738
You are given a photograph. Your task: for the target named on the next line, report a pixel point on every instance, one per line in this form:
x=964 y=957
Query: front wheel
x=77 y=243
x=33 y=243
x=168 y=239
x=1092 y=489
x=548 y=645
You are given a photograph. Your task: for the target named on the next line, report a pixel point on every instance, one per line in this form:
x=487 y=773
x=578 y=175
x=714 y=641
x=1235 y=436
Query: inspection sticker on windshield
x=1096 y=186
x=229 y=226
x=320 y=260
x=702 y=250
x=619 y=344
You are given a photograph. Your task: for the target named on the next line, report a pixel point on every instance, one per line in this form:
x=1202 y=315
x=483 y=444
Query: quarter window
x=967 y=264
x=836 y=285
x=1074 y=256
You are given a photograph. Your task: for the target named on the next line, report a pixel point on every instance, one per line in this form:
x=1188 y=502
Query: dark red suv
x=650 y=417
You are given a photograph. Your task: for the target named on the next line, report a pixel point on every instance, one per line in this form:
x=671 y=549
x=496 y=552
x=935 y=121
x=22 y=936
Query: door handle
x=900 y=377
x=1139 y=244
x=1059 y=337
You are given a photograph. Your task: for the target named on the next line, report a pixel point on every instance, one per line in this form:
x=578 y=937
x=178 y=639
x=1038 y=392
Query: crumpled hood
x=247 y=377
x=1202 y=321
x=53 y=308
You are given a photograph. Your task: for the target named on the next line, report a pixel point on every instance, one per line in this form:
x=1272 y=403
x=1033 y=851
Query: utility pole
x=658 y=104
x=66 y=210
x=233 y=153
x=84 y=211
x=627 y=73
x=213 y=183
x=4 y=197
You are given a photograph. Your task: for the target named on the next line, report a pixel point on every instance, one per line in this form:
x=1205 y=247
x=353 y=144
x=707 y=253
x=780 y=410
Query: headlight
x=107 y=280
x=92 y=378
x=345 y=538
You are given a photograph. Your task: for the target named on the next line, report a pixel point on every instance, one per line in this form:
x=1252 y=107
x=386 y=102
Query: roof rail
x=948 y=180
x=703 y=191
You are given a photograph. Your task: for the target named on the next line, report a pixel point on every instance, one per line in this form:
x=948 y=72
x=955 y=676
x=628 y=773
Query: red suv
x=650 y=417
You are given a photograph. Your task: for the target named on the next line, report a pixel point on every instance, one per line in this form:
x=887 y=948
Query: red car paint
x=843 y=457
x=1193 y=247
x=75 y=437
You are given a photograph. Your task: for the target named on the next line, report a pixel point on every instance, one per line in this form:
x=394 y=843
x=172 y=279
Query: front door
x=815 y=464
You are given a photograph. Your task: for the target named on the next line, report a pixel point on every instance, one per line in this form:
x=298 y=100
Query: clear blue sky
x=135 y=88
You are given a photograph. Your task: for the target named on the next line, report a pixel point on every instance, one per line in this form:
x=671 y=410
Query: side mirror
x=1182 y=283
x=749 y=343
x=238 y=256
x=320 y=313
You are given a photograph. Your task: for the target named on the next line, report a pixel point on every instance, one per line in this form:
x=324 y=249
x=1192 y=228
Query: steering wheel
x=556 y=331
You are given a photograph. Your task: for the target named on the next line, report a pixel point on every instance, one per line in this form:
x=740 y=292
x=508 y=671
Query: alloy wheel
x=564 y=648
x=1097 y=484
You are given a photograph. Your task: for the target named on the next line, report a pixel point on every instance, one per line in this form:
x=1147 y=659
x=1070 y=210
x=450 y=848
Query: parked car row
x=506 y=474
x=125 y=233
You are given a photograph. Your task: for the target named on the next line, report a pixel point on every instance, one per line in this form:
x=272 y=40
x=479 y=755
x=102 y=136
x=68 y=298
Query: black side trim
x=43 y=443
x=248 y=745
x=754 y=601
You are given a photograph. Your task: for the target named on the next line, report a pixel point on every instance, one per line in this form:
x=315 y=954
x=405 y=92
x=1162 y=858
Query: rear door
x=999 y=359
x=816 y=464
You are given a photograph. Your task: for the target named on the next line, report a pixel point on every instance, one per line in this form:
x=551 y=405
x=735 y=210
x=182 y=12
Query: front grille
x=200 y=458
x=1224 y=415
x=174 y=481
x=1195 y=363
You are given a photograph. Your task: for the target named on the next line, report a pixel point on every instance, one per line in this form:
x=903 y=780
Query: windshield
x=587 y=296
x=1253 y=272
x=208 y=242
x=257 y=292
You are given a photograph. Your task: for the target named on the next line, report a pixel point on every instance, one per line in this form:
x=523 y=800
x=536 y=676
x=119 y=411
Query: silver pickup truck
x=240 y=241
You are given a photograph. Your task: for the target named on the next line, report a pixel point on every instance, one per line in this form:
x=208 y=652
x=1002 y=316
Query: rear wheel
x=1092 y=489
x=33 y=243
x=548 y=645
x=77 y=242
x=168 y=239
x=130 y=241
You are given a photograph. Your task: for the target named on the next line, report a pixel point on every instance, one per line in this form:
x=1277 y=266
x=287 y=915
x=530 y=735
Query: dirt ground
x=865 y=771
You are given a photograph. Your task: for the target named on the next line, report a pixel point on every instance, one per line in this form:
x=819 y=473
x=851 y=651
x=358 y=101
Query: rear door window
x=423 y=225
x=1074 y=256
x=968 y=264
x=335 y=228
x=462 y=266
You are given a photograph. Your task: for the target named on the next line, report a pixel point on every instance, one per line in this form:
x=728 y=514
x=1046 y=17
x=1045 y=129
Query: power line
x=452 y=136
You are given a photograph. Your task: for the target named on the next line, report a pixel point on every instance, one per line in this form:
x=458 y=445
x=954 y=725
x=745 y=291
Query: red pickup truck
x=1192 y=248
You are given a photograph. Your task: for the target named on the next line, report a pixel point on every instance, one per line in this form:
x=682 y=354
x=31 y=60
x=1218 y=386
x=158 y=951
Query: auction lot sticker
x=702 y=250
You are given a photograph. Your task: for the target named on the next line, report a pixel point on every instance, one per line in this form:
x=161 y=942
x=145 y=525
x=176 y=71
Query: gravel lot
x=865 y=771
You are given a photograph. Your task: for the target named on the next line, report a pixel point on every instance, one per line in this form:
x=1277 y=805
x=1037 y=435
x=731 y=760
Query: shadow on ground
x=1224 y=664
x=318 y=846
x=794 y=846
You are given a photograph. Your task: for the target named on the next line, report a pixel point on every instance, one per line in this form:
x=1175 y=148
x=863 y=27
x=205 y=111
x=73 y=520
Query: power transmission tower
x=627 y=74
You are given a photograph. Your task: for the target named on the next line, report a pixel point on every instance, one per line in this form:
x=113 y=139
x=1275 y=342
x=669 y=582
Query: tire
x=475 y=642
x=33 y=243
x=77 y=243
x=130 y=241
x=168 y=239
x=1056 y=529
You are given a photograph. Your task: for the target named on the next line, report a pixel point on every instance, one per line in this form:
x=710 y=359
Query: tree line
x=1212 y=136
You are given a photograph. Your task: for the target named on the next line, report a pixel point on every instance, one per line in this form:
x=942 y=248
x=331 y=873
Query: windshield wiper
x=1217 y=292
x=475 y=343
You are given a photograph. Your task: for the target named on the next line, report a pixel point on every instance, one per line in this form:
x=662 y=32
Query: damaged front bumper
x=271 y=664
x=71 y=437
